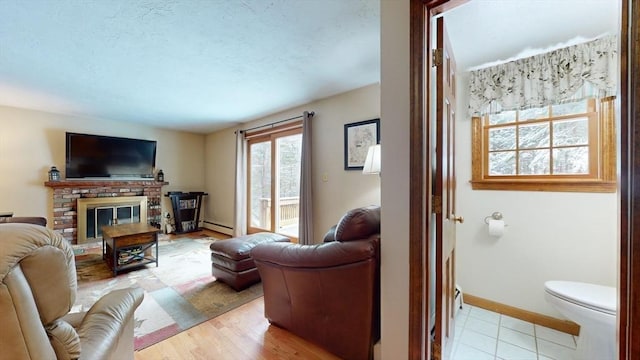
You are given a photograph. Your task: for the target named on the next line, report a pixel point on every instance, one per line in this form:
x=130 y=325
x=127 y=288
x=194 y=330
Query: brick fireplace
x=67 y=192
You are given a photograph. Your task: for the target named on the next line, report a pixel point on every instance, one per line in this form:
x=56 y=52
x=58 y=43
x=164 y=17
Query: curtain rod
x=276 y=122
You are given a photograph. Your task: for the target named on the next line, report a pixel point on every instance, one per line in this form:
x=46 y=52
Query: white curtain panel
x=568 y=74
x=305 y=222
x=240 y=197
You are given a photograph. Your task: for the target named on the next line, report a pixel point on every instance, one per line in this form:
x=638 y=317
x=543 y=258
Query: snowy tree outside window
x=539 y=142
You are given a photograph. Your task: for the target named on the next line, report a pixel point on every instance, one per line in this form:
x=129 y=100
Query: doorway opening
x=426 y=35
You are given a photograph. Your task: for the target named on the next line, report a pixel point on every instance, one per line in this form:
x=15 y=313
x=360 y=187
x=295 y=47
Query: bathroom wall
x=550 y=235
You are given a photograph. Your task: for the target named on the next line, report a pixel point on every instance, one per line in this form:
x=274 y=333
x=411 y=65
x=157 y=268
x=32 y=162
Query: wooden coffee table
x=129 y=245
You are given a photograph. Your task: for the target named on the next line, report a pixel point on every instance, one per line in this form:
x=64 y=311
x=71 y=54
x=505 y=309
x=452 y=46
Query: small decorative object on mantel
x=54 y=174
x=160 y=176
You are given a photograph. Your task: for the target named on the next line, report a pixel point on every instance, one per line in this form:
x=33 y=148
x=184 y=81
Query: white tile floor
x=482 y=334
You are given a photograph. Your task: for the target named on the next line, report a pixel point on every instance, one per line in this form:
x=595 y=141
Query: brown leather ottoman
x=230 y=260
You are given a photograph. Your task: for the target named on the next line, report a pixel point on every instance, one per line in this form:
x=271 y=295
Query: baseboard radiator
x=565 y=326
x=224 y=229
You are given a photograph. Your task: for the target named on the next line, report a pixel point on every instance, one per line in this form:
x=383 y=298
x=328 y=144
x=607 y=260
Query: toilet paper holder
x=495 y=216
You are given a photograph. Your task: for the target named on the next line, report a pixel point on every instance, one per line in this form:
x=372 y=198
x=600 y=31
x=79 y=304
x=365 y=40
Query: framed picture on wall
x=358 y=137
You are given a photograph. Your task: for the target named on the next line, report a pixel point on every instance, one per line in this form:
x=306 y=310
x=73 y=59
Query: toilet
x=591 y=306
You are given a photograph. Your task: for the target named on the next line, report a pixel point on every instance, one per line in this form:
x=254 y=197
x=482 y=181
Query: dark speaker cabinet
x=186 y=210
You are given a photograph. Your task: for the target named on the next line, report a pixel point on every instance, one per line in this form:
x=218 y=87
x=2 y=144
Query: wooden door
x=444 y=186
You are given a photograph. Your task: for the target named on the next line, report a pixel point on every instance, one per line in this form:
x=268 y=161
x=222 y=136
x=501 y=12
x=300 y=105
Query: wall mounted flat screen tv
x=108 y=157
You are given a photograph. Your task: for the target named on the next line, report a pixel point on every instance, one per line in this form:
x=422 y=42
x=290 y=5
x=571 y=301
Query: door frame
x=268 y=135
x=421 y=13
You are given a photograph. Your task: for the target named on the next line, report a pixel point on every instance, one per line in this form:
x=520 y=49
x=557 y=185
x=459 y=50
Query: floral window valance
x=568 y=74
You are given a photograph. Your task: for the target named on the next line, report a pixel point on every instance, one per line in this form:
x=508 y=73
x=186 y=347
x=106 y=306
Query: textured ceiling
x=484 y=31
x=195 y=65
x=201 y=65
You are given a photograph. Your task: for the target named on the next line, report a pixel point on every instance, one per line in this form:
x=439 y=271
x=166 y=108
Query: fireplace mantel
x=102 y=183
x=67 y=192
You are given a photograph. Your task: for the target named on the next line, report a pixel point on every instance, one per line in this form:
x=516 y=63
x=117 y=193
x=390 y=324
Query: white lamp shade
x=372 y=162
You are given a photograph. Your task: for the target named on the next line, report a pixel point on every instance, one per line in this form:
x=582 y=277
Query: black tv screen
x=96 y=156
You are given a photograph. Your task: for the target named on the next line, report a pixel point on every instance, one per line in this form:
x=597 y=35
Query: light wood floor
x=242 y=333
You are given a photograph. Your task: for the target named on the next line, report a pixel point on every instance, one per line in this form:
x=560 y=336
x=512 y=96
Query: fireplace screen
x=110 y=215
x=94 y=213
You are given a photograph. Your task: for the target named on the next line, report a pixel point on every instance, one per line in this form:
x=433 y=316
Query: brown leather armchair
x=38 y=288
x=328 y=293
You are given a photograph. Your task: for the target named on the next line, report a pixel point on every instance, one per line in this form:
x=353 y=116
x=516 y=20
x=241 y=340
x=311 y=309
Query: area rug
x=179 y=293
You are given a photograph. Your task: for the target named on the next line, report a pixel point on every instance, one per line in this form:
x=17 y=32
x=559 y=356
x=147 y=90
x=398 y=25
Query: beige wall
x=32 y=141
x=342 y=191
x=394 y=104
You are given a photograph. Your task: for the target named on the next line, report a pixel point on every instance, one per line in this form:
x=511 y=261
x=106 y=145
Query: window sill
x=590 y=186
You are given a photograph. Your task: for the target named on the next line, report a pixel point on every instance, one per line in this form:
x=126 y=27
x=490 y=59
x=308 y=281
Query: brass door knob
x=459 y=219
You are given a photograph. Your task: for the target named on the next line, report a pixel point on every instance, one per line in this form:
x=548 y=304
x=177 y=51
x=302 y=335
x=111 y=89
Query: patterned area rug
x=179 y=293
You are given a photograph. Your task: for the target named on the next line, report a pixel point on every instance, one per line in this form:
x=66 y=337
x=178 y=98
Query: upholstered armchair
x=328 y=293
x=25 y=220
x=37 y=290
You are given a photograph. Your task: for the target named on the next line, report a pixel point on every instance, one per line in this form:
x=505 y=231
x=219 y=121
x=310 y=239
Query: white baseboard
x=215 y=227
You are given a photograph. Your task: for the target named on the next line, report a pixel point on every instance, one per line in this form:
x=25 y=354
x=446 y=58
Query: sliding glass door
x=274 y=181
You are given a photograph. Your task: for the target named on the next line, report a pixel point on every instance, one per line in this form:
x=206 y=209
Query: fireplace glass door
x=98 y=217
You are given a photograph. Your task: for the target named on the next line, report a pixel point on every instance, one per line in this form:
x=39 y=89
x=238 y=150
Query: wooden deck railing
x=288 y=211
